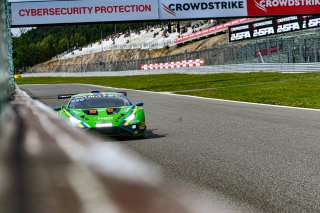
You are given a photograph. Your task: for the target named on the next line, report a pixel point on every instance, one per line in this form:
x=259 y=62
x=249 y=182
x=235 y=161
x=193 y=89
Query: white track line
x=205 y=98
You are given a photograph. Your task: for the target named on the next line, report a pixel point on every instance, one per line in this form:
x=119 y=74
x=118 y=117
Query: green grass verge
x=300 y=90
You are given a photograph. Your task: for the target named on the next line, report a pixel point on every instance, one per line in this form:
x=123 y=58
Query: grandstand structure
x=155 y=37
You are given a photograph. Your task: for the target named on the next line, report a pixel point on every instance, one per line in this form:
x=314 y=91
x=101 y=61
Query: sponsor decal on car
x=104 y=118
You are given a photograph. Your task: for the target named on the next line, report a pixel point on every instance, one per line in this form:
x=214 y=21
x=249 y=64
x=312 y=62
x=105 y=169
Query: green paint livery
x=110 y=112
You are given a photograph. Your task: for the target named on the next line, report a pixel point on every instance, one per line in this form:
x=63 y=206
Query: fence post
x=4 y=66
x=8 y=44
x=305 y=51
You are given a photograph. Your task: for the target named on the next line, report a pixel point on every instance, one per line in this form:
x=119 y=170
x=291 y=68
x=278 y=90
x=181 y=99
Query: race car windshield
x=98 y=102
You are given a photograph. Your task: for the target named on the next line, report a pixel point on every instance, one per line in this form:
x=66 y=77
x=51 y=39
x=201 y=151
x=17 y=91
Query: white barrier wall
x=173 y=65
x=229 y=68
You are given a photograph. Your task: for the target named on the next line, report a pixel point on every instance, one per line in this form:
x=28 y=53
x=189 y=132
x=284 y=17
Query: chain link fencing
x=9 y=47
x=7 y=84
x=299 y=47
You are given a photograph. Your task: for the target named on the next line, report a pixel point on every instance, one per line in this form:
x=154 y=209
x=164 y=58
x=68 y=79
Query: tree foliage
x=43 y=43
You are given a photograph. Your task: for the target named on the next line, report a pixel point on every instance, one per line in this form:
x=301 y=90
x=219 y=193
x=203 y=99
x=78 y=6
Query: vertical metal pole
x=305 y=51
x=68 y=44
x=278 y=51
x=315 y=51
x=301 y=53
x=227 y=34
x=81 y=63
x=294 y=51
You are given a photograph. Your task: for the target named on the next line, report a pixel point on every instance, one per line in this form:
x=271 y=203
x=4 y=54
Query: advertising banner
x=191 y=9
x=58 y=12
x=212 y=30
x=38 y=12
x=263 y=28
x=240 y=32
x=313 y=21
x=282 y=7
x=289 y=24
x=272 y=26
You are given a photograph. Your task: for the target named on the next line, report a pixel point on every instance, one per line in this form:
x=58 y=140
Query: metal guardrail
x=266 y=67
x=229 y=68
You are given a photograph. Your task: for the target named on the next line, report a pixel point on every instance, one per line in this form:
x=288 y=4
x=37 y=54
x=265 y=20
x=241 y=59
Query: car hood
x=100 y=117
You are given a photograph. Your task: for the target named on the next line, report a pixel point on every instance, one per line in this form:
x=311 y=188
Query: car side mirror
x=57 y=108
x=140 y=104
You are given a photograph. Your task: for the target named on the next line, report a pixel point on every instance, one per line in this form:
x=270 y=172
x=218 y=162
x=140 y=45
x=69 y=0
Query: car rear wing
x=121 y=92
x=64 y=96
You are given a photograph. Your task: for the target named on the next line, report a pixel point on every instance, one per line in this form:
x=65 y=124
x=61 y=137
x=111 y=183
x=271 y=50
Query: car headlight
x=130 y=118
x=74 y=120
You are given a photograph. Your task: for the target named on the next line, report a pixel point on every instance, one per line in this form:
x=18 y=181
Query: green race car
x=110 y=112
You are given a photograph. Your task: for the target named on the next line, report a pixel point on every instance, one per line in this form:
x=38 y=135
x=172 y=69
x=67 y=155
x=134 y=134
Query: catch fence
x=302 y=48
x=7 y=84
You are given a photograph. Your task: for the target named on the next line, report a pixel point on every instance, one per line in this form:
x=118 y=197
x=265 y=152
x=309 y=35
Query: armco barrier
x=174 y=65
x=263 y=67
x=230 y=68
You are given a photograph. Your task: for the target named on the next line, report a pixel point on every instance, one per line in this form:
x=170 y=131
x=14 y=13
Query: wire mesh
x=298 y=47
x=7 y=84
x=9 y=48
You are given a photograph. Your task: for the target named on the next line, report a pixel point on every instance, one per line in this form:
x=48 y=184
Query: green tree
x=43 y=43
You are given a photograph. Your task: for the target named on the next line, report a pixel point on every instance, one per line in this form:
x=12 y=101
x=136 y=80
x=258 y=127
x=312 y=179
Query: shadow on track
x=149 y=136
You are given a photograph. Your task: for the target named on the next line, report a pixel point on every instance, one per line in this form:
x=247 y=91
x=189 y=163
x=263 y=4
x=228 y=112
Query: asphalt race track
x=264 y=156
